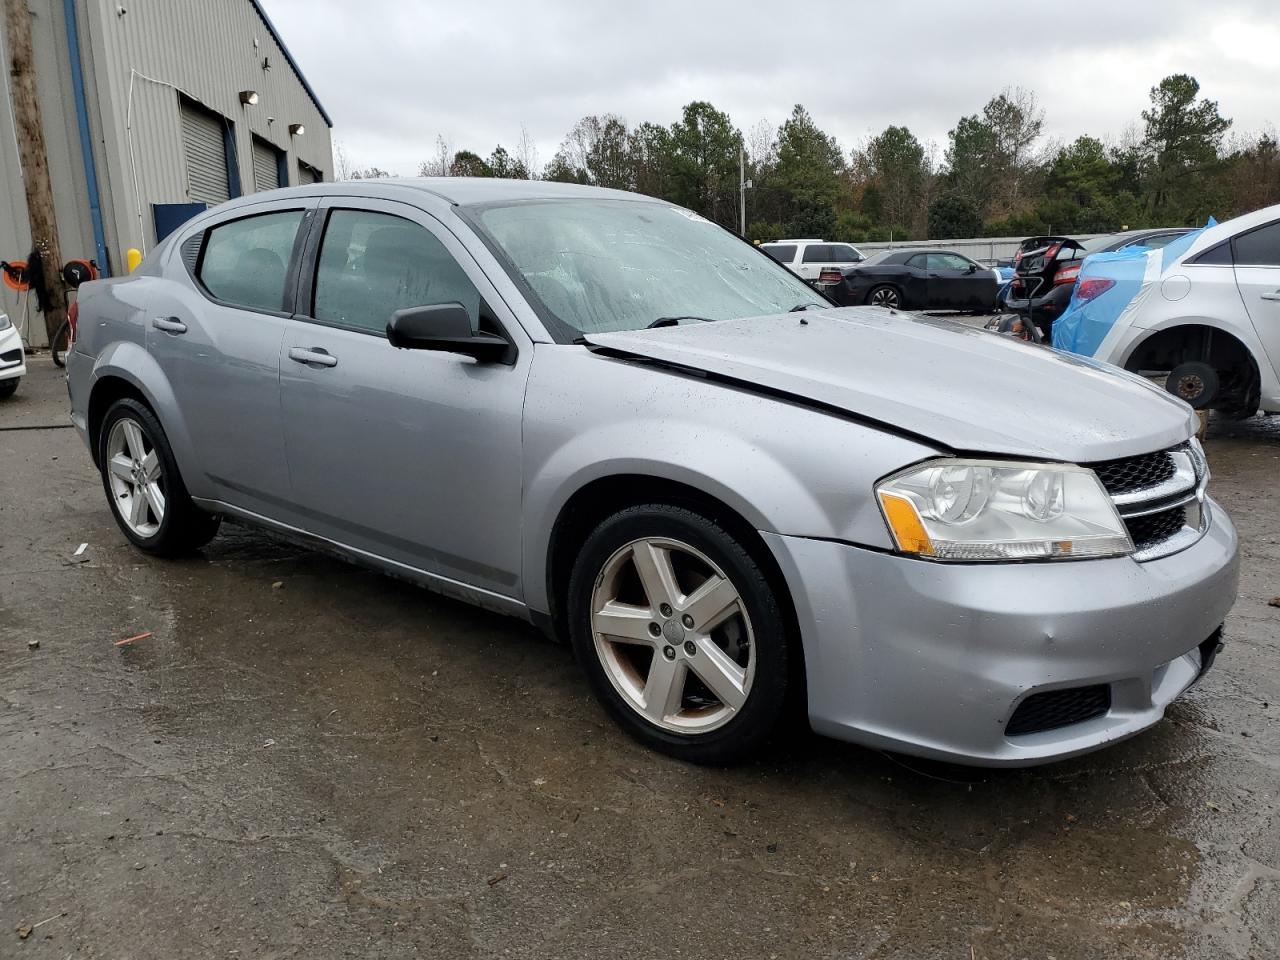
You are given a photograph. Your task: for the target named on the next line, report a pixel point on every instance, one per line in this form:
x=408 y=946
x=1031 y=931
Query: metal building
x=149 y=107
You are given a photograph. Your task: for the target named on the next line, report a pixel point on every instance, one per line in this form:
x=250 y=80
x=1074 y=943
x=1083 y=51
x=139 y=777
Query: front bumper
x=933 y=659
x=13 y=362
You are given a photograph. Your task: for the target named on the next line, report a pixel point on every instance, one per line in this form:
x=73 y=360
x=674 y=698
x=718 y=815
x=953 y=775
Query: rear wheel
x=143 y=486
x=1195 y=382
x=885 y=296
x=680 y=633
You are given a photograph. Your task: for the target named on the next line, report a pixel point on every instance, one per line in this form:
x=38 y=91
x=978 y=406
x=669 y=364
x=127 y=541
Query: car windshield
x=601 y=266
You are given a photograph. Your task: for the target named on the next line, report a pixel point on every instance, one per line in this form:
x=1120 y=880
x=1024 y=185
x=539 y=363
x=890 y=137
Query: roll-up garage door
x=266 y=166
x=307 y=173
x=206 y=151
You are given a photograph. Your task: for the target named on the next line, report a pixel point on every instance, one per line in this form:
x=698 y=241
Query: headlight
x=971 y=510
x=5 y=322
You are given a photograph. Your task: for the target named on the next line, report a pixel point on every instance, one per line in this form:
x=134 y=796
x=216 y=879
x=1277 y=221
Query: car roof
x=462 y=191
x=1212 y=236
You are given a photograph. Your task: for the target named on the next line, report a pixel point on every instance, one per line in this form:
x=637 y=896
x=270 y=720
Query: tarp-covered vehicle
x=1205 y=310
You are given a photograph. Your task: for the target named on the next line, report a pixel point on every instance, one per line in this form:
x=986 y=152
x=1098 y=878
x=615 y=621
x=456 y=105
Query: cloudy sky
x=394 y=74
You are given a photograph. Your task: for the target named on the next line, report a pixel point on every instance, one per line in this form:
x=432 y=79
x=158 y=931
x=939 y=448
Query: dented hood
x=955 y=386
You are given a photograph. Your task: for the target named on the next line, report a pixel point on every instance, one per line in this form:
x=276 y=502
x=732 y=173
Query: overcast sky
x=394 y=74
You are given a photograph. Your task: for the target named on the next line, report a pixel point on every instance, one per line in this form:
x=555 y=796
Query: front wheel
x=680 y=633
x=146 y=493
x=8 y=387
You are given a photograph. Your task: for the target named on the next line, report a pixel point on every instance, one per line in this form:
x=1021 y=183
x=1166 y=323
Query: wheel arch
x=127 y=370
x=603 y=496
x=1197 y=339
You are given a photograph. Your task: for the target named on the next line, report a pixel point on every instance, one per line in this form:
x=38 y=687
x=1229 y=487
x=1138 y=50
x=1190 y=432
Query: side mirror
x=445 y=327
x=973 y=268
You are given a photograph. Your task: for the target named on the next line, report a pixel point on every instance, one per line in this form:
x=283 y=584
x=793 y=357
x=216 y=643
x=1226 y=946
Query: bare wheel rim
x=884 y=297
x=673 y=635
x=136 y=479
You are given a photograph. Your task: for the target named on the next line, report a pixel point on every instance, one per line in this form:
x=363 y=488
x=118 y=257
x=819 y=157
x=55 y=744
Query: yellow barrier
x=133 y=257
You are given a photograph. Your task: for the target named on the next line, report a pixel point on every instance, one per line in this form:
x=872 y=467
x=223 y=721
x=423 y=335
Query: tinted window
x=373 y=264
x=1259 y=247
x=1158 y=241
x=919 y=261
x=245 y=261
x=1219 y=255
x=947 y=261
x=783 y=253
x=845 y=253
x=818 y=253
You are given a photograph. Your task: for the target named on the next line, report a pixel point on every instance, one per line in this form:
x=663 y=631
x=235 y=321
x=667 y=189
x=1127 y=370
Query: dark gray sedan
x=915 y=279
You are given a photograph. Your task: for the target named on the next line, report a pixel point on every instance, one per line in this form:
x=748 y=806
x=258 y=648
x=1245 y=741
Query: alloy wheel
x=885 y=297
x=673 y=635
x=136 y=478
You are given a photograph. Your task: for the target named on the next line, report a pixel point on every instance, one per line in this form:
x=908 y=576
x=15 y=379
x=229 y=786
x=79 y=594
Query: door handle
x=315 y=355
x=1271 y=296
x=169 y=324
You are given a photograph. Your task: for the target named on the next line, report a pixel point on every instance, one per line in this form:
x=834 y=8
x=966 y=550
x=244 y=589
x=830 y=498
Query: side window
x=818 y=253
x=947 y=261
x=918 y=261
x=783 y=253
x=245 y=261
x=845 y=253
x=1259 y=248
x=373 y=264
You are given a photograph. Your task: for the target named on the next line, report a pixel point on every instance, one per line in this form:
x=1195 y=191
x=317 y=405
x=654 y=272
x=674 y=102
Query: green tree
x=954 y=215
x=808 y=176
x=1180 y=150
x=650 y=152
x=501 y=164
x=595 y=151
x=468 y=164
x=893 y=164
x=990 y=158
x=703 y=167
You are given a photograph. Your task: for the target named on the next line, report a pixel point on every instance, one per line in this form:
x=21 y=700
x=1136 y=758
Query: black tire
x=888 y=296
x=184 y=526
x=1195 y=382
x=58 y=347
x=774 y=687
x=9 y=387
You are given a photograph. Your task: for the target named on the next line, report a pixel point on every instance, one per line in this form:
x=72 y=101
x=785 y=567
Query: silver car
x=604 y=414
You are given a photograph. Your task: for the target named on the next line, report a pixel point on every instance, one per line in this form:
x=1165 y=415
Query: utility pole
x=742 y=190
x=33 y=157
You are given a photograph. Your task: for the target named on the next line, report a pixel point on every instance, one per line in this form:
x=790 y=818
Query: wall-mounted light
x=249 y=98
x=296 y=129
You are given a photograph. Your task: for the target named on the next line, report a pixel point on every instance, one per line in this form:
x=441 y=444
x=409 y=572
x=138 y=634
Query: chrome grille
x=1159 y=497
x=1134 y=473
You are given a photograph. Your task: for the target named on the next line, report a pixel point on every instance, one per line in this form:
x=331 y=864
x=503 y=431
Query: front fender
x=132 y=363
x=783 y=467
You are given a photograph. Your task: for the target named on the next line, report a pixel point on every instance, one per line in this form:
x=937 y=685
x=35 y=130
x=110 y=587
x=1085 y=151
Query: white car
x=808 y=258
x=13 y=363
x=1210 y=318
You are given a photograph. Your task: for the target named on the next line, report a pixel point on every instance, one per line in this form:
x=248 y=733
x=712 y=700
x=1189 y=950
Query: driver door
x=951 y=282
x=413 y=456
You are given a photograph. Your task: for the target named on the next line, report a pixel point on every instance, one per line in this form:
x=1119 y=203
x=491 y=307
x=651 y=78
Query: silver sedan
x=602 y=413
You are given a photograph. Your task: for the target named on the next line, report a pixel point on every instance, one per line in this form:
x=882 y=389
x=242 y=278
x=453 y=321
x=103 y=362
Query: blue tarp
x=1085 y=323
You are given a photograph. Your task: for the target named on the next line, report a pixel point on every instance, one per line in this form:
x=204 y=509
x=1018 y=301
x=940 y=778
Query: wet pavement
x=306 y=759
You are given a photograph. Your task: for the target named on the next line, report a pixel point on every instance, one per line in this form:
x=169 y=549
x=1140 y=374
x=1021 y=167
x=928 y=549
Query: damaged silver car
x=602 y=413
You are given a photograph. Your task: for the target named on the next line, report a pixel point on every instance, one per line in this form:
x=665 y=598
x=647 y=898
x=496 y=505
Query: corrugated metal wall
x=208 y=51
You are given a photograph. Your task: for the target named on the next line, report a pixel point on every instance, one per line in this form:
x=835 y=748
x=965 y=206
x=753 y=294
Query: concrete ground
x=305 y=759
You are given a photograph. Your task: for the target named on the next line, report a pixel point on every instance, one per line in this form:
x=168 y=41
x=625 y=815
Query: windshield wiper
x=804 y=306
x=675 y=321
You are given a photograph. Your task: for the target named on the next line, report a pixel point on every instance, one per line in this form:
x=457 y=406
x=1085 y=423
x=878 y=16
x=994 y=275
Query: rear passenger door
x=1257 y=263
x=411 y=455
x=218 y=344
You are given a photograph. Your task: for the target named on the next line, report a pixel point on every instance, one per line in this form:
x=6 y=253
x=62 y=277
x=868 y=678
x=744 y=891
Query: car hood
x=955 y=386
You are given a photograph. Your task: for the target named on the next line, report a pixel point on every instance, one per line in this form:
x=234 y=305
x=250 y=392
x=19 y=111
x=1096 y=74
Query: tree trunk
x=34 y=160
